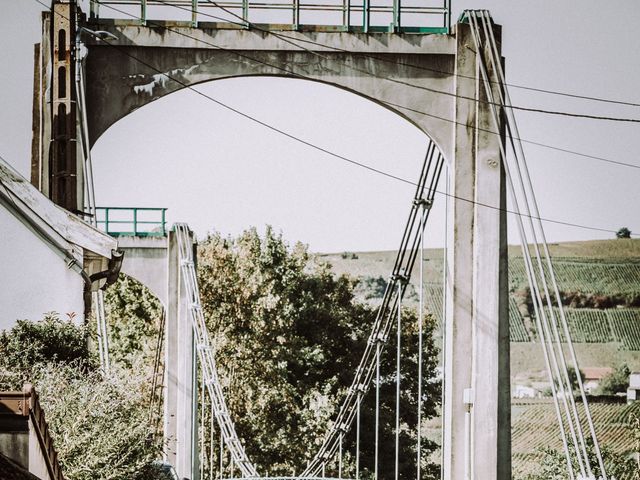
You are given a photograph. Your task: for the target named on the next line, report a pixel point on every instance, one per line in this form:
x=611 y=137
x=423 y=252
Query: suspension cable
x=529 y=196
x=205 y=353
x=563 y=390
x=552 y=276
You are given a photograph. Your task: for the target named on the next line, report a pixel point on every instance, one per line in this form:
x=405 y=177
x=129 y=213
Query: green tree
x=616 y=382
x=134 y=316
x=624 y=232
x=289 y=337
x=50 y=340
x=100 y=426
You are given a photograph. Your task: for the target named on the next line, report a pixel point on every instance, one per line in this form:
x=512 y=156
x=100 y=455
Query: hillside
x=600 y=287
x=599 y=282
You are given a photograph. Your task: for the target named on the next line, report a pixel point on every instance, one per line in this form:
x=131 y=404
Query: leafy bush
x=51 y=340
x=101 y=426
x=554 y=465
x=616 y=382
x=624 y=232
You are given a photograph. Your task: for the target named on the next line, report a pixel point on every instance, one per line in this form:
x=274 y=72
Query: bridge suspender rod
x=359 y=401
x=368 y=369
x=420 y=344
x=544 y=270
x=221 y=453
x=377 y=413
x=399 y=336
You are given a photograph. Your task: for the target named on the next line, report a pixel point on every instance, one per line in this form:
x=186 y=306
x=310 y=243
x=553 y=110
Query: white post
x=179 y=372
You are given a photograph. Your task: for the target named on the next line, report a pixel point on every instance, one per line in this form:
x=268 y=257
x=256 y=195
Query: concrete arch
x=127 y=70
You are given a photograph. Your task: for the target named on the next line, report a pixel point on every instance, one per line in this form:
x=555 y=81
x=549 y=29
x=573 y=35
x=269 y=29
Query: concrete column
x=476 y=411
x=179 y=370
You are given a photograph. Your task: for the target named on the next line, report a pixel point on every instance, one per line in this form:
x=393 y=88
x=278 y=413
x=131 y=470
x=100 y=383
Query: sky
x=217 y=171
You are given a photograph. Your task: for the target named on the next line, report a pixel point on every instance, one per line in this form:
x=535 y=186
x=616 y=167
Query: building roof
x=596 y=373
x=61 y=229
x=10 y=470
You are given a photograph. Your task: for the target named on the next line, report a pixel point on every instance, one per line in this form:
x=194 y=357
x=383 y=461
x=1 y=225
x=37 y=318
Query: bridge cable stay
x=348 y=65
x=564 y=388
x=556 y=291
x=369 y=367
x=90 y=201
x=206 y=355
x=549 y=320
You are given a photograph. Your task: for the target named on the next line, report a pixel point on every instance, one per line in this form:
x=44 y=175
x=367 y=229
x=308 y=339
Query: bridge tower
x=431 y=78
x=56 y=167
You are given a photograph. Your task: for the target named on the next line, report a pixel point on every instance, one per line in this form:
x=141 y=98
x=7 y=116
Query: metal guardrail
x=400 y=16
x=132 y=221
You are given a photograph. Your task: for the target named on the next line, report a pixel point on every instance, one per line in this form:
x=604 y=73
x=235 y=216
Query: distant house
x=524 y=391
x=593 y=376
x=26 y=448
x=633 y=392
x=530 y=390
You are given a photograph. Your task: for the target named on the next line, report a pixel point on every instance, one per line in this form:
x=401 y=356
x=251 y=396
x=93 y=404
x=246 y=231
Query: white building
x=49 y=258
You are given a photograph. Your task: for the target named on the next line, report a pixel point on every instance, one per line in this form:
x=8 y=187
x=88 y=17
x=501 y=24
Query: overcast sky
x=216 y=170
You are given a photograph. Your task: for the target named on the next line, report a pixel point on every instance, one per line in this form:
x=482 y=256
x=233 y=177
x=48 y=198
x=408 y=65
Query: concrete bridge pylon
x=431 y=80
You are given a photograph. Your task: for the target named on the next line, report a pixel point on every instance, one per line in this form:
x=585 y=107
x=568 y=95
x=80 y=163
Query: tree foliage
x=289 y=337
x=50 y=340
x=134 y=316
x=616 y=382
x=624 y=232
x=100 y=426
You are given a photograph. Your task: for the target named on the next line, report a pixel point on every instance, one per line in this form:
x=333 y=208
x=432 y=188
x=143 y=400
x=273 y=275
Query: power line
x=289 y=72
x=245 y=23
x=329 y=152
x=432 y=90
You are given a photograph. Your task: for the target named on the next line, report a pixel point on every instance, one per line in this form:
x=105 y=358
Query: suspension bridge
x=100 y=60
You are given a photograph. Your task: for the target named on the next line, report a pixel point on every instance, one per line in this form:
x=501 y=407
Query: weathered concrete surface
x=179 y=370
x=145 y=260
x=477 y=410
x=154 y=262
x=120 y=80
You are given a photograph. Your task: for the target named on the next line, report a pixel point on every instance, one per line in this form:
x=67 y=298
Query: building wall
x=37 y=464
x=33 y=278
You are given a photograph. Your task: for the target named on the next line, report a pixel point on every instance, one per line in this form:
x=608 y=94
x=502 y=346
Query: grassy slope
x=534 y=424
x=526 y=357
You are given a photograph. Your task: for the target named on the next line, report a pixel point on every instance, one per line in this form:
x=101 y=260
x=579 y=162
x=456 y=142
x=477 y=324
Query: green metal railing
x=132 y=221
x=401 y=16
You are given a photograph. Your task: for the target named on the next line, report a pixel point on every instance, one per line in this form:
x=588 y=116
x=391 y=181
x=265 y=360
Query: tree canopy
x=289 y=337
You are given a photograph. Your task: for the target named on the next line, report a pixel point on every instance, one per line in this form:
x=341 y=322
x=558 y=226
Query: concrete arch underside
x=147 y=63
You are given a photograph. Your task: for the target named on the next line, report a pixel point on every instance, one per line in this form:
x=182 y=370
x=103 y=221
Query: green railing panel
x=132 y=221
x=395 y=16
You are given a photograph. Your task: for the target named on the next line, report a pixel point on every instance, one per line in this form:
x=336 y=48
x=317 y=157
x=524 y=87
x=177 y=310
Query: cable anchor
x=423 y=202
